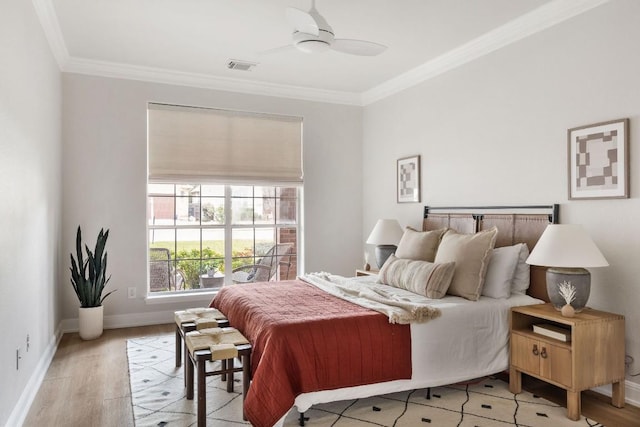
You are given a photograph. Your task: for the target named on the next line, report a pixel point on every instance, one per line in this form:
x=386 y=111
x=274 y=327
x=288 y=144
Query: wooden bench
x=223 y=344
x=193 y=319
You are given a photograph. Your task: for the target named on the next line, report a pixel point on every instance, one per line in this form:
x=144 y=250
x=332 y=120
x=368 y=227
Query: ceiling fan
x=312 y=34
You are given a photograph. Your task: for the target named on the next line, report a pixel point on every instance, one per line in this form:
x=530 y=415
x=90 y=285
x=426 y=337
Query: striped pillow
x=420 y=277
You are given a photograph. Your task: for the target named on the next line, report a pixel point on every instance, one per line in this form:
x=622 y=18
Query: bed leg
x=302 y=419
x=429 y=393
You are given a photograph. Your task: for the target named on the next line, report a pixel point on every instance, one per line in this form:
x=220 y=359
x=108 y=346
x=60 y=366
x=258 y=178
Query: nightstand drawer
x=542 y=359
x=556 y=365
x=523 y=355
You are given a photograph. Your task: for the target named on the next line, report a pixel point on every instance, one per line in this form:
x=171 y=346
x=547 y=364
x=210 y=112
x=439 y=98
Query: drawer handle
x=535 y=349
x=544 y=353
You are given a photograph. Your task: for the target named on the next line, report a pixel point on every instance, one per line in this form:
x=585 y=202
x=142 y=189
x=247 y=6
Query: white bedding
x=469 y=340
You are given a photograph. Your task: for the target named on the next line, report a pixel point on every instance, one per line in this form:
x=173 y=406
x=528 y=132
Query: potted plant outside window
x=88 y=278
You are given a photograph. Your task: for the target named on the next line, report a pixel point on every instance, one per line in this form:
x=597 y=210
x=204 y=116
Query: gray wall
x=104 y=181
x=30 y=148
x=495 y=132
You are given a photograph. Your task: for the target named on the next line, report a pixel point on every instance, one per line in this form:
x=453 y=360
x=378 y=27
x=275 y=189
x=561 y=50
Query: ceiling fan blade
x=358 y=47
x=279 y=49
x=302 y=21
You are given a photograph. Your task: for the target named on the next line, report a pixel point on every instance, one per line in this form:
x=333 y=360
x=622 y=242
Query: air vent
x=235 y=64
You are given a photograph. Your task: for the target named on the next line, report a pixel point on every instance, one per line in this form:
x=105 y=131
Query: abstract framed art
x=598 y=160
x=409 y=179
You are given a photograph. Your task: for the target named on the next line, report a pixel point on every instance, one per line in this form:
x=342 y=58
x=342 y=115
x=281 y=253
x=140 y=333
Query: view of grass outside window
x=200 y=234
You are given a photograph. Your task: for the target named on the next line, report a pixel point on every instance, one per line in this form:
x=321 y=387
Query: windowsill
x=173 y=297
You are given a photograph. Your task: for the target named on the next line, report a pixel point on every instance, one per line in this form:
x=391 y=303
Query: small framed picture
x=409 y=179
x=598 y=160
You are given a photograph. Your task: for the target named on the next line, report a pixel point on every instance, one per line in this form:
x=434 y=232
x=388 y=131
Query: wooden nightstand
x=593 y=357
x=360 y=272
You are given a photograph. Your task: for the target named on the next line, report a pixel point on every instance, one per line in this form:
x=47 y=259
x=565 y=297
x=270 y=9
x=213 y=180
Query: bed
x=466 y=339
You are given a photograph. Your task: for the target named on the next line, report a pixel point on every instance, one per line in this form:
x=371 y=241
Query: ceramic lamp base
x=580 y=278
x=383 y=252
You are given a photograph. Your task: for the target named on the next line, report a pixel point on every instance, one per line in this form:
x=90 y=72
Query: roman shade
x=191 y=144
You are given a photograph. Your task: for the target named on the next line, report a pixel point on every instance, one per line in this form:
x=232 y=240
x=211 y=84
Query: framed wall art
x=409 y=179
x=598 y=160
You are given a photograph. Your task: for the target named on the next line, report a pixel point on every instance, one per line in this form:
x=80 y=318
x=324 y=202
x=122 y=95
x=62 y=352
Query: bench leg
x=185 y=356
x=246 y=379
x=178 y=346
x=188 y=376
x=202 y=393
x=229 y=375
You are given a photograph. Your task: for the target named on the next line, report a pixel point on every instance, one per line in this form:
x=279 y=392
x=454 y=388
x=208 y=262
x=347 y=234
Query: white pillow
x=501 y=271
x=522 y=277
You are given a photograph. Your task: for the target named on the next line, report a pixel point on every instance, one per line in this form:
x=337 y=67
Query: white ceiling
x=190 y=41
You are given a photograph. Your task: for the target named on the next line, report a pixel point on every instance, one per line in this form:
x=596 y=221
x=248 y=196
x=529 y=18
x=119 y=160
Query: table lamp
x=385 y=235
x=567 y=250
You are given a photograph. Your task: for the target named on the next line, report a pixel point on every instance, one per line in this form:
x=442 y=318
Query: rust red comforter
x=307 y=340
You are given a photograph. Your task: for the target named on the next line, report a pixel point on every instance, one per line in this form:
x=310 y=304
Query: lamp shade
x=385 y=232
x=566 y=245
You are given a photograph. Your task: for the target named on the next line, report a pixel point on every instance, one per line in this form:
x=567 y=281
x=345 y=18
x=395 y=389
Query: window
x=223 y=197
x=200 y=233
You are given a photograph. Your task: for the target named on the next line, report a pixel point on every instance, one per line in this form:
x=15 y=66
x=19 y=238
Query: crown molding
x=543 y=17
x=181 y=78
x=52 y=32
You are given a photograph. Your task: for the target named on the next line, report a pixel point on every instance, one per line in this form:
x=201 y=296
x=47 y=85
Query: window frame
x=227 y=228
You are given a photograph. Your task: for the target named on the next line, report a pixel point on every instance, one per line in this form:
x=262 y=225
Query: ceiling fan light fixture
x=312 y=46
x=310 y=43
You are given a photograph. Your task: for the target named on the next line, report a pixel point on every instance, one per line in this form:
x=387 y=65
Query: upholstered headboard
x=516 y=224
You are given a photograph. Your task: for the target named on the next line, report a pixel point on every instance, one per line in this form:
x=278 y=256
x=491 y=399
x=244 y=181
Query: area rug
x=158 y=400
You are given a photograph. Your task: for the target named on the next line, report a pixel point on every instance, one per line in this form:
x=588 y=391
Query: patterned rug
x=158 y=400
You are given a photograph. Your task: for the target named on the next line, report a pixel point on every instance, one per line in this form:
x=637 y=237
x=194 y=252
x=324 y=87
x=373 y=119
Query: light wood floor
x=87 y=385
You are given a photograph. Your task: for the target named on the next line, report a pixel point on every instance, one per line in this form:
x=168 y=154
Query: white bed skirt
x=469 y=340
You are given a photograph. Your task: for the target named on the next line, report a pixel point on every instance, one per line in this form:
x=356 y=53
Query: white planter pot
x=90 y=322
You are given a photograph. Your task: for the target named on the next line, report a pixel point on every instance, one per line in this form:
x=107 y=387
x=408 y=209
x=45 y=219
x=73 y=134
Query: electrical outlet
x=628 y=361
x=132 y=293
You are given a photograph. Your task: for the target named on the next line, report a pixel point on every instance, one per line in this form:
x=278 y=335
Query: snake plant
x=88 y=276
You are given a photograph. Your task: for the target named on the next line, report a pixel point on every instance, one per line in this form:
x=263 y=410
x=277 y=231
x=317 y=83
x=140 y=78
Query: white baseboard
x=21 y=410
x=125 y=320
x=631 y=392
